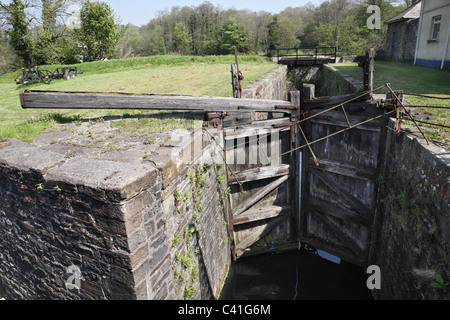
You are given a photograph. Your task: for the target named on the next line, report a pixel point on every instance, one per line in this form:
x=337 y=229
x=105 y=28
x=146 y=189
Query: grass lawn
x=414 y=80
x=189 y=75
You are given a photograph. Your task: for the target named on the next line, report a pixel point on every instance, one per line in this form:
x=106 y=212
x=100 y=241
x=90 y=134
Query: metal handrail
x=323 y=50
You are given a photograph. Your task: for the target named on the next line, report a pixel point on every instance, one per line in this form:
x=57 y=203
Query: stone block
x=121 y=181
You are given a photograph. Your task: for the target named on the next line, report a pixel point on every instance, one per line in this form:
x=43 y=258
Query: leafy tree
x=153 y=40
x=281 y=33
x=182 y=38
x=19 y=36
x=97 y=34
x=50 y=48
x=234 y=34
x=8 y=59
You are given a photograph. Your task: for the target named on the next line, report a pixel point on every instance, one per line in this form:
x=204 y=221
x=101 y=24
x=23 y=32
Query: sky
x=140 y=12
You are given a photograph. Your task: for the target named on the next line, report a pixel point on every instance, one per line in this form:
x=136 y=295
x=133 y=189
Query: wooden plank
x=253 y=215
x=346 y=169
x=337 y=211
x=243 y=206
x=335 y=100
x=337 y=118
x=352 y=201
x=41 y=99
x=319 y=244
x=259 y=174
x=344 y=239
x=253 y=132
x=257 y=234
x=237 y=118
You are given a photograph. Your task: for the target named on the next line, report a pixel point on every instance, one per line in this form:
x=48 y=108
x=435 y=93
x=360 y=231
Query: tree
x=97 y=34
x=182 y=38
x=8 y=59
x=19 y=37
x=234 y=34
x=281 y=33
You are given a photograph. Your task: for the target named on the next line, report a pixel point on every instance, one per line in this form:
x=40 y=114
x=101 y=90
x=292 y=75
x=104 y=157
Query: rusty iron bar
x=433 y=124
x=293 y=124
x=309 y=146
x=340 y=131
x=425 y=107
x=341 y=104
x=388 y=85
x=346 y=117
x=426 y=96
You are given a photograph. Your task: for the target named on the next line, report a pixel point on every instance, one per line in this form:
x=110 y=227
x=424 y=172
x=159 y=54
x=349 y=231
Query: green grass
x=414 y=80
x=189 y=75
x=403 y=76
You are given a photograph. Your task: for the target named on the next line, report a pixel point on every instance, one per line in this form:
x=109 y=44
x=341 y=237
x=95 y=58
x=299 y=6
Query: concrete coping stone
x=89 y=156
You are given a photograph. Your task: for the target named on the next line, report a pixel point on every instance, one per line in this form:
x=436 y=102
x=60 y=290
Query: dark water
x=301 y=275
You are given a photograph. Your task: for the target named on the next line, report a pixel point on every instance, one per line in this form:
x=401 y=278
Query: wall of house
x=430 y=52
x=405 y=41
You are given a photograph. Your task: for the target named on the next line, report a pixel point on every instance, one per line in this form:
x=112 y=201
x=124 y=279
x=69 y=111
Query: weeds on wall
x=186 y=243
x=416 y=222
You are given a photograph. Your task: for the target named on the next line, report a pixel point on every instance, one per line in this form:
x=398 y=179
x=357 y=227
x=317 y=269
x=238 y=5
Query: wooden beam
x=41 y=99
x=253 y=215
x=259 y=174
x=243 y=206
x=346 y=169
x=338 y=211
x=258 y=233
x=344 y=240
x=335 y=100
x=346 y=196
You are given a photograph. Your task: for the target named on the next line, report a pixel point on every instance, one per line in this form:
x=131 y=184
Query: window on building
x=436 y=26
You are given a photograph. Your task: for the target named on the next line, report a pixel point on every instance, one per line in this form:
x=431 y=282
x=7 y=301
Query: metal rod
x=426 y=96
x=317 y=114
x=425 y=107
x=345 y=113
x=309 y=146
x=339 y=132
x=433 y=124
x=407 y=112
x=337 y=106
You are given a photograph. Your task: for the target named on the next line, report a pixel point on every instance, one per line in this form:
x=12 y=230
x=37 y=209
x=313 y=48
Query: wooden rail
x=42 y=99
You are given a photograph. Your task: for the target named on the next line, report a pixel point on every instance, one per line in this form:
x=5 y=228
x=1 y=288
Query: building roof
x=413 y=12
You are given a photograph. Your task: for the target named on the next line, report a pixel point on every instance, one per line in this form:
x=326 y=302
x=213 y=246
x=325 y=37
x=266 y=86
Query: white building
x=432 y=47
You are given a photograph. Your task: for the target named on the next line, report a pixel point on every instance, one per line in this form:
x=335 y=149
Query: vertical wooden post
x=235 y=81
x=237 y=77
x=369 y=69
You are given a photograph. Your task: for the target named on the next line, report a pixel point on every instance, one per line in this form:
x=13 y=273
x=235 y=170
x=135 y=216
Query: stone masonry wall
x=77 y=199
x=272 y=86
x=413 y=243
x=56 y=213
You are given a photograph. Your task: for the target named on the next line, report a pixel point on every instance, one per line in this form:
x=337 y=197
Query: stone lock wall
x=128 y=216
x=412 y=246
x=118 y=228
